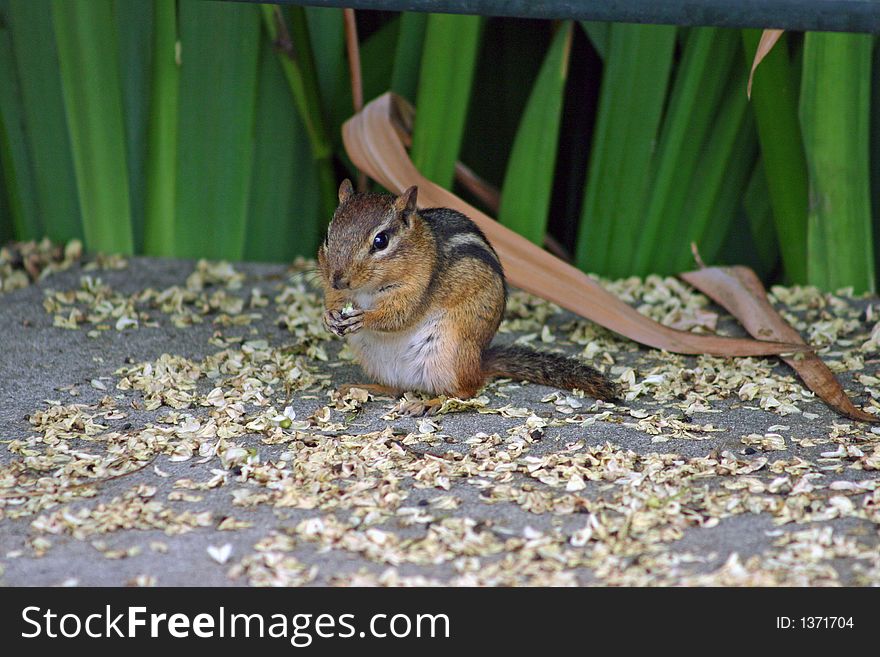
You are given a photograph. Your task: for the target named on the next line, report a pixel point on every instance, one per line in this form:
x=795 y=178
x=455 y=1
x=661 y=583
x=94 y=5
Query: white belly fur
x=410 y=360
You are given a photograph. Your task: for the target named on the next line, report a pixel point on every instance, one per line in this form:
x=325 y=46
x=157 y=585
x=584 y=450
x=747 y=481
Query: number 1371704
x=814 y=622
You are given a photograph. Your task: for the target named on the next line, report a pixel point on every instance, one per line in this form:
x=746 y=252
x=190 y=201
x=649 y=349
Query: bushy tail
x=521 y=363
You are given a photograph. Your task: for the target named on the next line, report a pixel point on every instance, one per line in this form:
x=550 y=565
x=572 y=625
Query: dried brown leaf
x=374 y=140
x=740 y=291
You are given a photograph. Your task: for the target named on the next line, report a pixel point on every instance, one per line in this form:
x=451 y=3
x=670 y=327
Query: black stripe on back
x=445 y=224
x=478 y=252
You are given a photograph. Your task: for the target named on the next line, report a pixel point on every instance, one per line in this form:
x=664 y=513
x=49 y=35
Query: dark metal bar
x=802 y=15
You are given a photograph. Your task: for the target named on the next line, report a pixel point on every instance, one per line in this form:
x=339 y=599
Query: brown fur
x=415 y=277
x=524 y=364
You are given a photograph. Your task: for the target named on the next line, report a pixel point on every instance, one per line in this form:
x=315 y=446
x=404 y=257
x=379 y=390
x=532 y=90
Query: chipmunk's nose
x=339 y=283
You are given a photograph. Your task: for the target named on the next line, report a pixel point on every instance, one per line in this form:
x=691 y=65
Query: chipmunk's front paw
x=342 y=324
x=331 y=321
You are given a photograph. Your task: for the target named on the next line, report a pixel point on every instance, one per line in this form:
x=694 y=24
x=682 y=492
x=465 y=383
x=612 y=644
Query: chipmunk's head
x=367 y=240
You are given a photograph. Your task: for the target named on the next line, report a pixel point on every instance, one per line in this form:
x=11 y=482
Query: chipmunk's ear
x=345 y=190
x=405 y=204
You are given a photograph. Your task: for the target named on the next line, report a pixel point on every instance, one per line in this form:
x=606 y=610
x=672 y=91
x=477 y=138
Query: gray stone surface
x=39 y=362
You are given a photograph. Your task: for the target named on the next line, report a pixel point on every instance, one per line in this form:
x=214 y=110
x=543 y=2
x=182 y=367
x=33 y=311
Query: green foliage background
x=180 y=128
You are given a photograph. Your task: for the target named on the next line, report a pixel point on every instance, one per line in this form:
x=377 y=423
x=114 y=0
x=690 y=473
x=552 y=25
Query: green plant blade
x=312 y=111
x=376 y=67
x=774 y=100
x=6 y=227
x=161 y=166
x=134 y=20
x=631 y=102
x=218 y=82
x=707 y=59
x=326 y=27
x=528 y=184
x=45 y=124
x=408 y=54
x=717 y=207
x=284 y=216
x=21 y=215
x=759 y=211
x=90 y=81
x=314 y=118
x=875 y=148
x=298 y=64
x=327 y=38
x=715 y=189
x=834 y=111
x=599 y=35
x=446 y=74
x=508 y=61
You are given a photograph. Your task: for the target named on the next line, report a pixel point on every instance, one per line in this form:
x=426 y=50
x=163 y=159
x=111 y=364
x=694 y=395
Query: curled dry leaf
x=375 y=141
x=739 y=290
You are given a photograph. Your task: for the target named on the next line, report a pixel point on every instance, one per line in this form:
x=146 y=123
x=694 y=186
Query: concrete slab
x=531 y=488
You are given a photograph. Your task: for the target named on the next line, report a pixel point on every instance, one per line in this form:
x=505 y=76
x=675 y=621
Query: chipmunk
x=419 y=295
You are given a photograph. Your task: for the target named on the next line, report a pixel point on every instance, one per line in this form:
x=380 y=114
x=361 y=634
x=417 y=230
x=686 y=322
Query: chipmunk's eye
x=380 y=241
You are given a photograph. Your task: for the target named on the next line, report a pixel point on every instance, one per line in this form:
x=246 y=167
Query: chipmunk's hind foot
x=372 y=388
x=419 y=407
